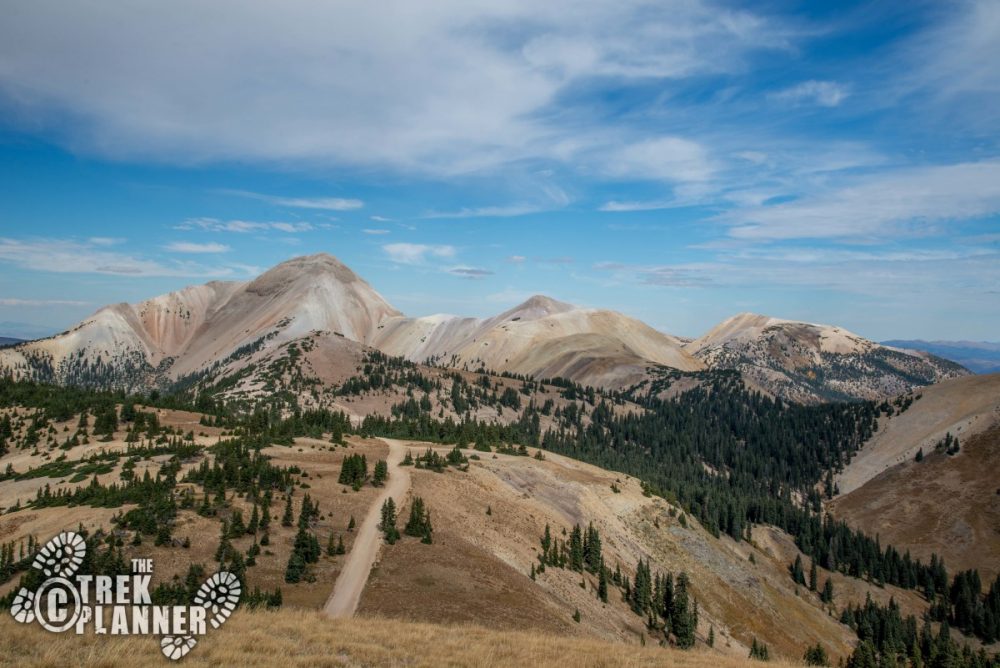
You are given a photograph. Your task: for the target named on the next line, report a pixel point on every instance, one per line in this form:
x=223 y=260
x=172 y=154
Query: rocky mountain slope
x=544 y=338
x=948 y=502
x=807 y=362
x=168 y=337
x=489 y=517
x=224 y=328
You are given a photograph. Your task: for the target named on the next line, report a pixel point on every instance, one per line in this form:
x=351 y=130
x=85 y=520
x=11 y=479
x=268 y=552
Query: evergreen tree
x=682 y=621
x=827 y=595
x=798 y=575
x=816 y=656
x=759 y=651
x=381 y=473
x=602 y=582
x=388 y=524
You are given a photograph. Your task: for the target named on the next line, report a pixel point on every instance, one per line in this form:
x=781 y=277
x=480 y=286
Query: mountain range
x=221 y=328
x=977 y=356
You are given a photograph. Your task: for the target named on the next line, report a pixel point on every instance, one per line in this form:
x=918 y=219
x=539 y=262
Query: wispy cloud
x=470 y=272
x=192 y=247
x=656 y=275
x=11 y=301
x=375 y=231
x=76 y=257
x=822 y=93
x=242 y=226
x=106 y=241
x=464 y=88
x=321 y=203
x=406 y=253
x=616 y=206
x=510 y=211
x=900 y=202
x=671 y=159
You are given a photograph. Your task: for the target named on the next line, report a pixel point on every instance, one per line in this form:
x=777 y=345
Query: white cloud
x=953 y=66
x=242 y=226
x=516 y=259
x=510 y=211
x=822 y=93
x=671 y=159
x=75 y=257
x=375 y=231
x=406 y=253
x=449 y=86
x=106 y=241
x=292 y=228
x=379 y=219
x=656 y=275
x=889 y=204
x=192 y=247
x=322 y=203
x=473 y=273
x=10 y=301
x=614 y=206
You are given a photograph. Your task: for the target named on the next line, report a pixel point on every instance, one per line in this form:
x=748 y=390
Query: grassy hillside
x=304 y=638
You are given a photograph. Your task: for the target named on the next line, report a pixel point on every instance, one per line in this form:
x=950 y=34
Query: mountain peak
x=302 y=269
x=318 y=261
x=536 y=306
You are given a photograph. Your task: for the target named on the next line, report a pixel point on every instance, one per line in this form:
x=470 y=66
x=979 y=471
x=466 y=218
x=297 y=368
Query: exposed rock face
x=543 y=338
x=164 y=338
x=182 y=333
x=807 y=362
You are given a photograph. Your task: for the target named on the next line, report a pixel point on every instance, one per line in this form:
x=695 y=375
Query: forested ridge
x=726 y=455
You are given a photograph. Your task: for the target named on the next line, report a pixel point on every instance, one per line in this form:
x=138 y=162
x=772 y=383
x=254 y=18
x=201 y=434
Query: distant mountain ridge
x=810 y=362
x=225 y=327
x=977 y=356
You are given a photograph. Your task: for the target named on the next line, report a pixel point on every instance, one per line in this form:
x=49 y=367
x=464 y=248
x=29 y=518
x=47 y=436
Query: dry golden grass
x=294 y=637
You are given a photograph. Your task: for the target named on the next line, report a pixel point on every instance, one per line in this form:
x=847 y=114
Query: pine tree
x=289 y=516
x=592 y=549
x=798 y=574
x=331 y=547
x=381 y=473
x=812 y=576
x=295 y=568
x=602 y=583
x=576 y=549
x=816 y=656
x=265 y=513
x=388 y=524
x=254 y=523
x=682 y=621
x=759 y=651
x=419 y=523
x=827 y=595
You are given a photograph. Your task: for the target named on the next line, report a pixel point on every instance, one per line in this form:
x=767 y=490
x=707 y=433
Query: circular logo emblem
x=57 y=605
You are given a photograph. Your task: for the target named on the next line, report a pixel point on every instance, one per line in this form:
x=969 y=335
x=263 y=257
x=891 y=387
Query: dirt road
x=351 y=582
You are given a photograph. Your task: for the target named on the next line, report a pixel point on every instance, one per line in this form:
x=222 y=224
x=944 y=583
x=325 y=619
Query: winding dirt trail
x=351 y=582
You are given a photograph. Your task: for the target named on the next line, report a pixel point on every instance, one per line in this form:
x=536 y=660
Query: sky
x=680 y=161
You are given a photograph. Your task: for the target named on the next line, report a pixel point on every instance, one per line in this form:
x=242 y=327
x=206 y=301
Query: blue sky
x=680 y=161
